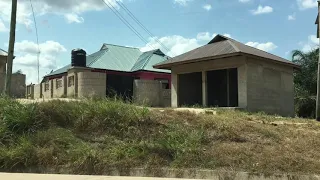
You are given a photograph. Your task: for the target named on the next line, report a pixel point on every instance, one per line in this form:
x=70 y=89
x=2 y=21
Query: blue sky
x=276 y=26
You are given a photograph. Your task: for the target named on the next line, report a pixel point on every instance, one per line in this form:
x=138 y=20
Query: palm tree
x=306 y=82
x=306 y=79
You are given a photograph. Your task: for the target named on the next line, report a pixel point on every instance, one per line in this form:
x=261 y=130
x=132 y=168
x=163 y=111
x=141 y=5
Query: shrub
x=305 y=107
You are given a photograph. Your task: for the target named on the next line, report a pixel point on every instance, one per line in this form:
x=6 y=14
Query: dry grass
x=90 y=137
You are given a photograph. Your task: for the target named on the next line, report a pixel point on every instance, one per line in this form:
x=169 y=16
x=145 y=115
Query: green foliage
x=305 y=107
x=306 y=79
x=305 y=82
x=95 y=135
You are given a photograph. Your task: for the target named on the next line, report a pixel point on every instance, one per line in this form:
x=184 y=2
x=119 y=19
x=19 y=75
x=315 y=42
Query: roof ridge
x=140 y=60
x=96 y=59
x=231 y=39
x=233 y=45
x=120 y=46
x=261 y=50
x=147 y=61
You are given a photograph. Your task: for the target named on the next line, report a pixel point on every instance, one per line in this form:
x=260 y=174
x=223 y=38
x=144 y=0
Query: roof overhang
x=168 y=66
x=291 y=64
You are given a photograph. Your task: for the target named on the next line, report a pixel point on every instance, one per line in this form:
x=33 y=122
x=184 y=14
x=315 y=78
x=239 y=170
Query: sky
x=174 y=26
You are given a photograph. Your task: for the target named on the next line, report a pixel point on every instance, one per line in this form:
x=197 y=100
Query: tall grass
x=92 y=136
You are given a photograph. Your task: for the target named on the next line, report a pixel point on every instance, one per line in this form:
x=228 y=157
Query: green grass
x=92 y=136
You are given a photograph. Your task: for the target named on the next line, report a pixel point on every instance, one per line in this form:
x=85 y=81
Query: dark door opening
x=190 y=89
x=222 y=88
x=120 y=86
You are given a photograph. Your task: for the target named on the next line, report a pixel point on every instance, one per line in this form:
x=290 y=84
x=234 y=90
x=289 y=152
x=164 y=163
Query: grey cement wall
x=59 y=92
x=18 y=84
x=270 y=88
x=3 y=60
x=262 y=85
x=151 y=93
x=92 y=84
x=30 y=91
x=72 y=90
x=165 y=96
x=49 y=92
x=225 y=63
x=37 y=91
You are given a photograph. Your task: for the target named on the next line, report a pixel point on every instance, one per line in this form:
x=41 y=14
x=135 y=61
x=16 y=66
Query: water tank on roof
x=78 y=58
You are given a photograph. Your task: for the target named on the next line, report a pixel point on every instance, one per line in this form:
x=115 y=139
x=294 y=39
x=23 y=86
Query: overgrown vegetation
x=306 y=82
x=90 y=137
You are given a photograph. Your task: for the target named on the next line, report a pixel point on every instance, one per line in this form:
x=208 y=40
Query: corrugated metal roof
x=121 y=58
x=3 y=52
x=218 y=46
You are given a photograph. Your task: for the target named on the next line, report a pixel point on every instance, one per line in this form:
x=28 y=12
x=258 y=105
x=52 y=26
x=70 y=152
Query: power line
x=141 y=25
x=116 y=12
x=38 y=53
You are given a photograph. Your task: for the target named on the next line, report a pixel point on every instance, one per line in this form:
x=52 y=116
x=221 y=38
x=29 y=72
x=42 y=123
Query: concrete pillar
x=174 y=90
x=204 y=89
x=242 y=86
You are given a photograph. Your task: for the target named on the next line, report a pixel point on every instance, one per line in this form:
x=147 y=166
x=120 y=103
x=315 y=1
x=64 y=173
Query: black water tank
x=78 y=58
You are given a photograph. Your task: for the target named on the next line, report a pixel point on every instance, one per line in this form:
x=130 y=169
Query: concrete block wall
x=47 y=93
x=30 y=91
x=216 y=64
x=165 y=100
x=72 y=89
x=37 y=91
x=270 y=88
x=18 y=84
x=3 y=60
x=92 y=84
x=151 y=93
x=59 y=92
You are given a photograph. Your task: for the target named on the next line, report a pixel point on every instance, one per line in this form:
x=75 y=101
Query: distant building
x=113 y=70
x=227 y=73
x=18 y=80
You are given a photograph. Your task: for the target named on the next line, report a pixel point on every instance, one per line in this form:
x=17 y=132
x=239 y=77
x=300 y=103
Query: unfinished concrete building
x=18 y=80
x=227 y=73
x=112 y=71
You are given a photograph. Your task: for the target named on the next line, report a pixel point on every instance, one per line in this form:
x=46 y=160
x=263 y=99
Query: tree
x=306 y=82
x=306 y=79
x=18 y=72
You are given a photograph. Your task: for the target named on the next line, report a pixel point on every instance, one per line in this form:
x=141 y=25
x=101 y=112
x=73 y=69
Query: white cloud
x=269 y=46
x=312 y=42
x=205 y=36
x=182 y=2
x=178 y=44
x=73 y=18
x=262 y=10
x=26 y=58
x=292 y=17
x=70 y=9
x=207 y=7
x=227 y=35
x=3 y=28
x=307 y=4
x=244 y=1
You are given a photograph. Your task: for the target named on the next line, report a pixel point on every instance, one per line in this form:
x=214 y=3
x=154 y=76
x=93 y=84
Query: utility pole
x=7 y=85
x=318 y=73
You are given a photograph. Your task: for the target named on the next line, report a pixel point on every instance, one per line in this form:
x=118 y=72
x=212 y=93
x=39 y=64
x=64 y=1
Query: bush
x=305 y=107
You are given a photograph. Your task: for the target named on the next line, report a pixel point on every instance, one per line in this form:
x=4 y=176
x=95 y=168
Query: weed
x=94 y=135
